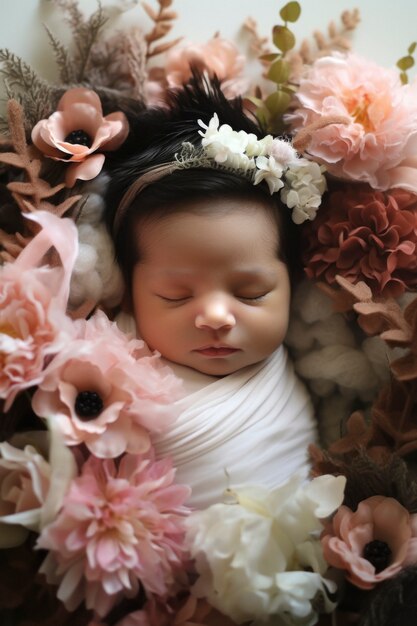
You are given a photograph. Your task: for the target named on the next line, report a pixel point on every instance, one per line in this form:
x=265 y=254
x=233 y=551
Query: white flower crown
x=301 y=182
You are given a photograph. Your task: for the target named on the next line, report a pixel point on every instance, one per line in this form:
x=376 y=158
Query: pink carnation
x=106 y=392
x=367 y=235
x=380 y=136
x=373 y=543
x=119 y=528
x=33 y=324
x=218 y=57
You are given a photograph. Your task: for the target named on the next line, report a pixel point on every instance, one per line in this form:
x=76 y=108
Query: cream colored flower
x=35 y=471
x=261 y=556
x=303 y=190
x=269 y=170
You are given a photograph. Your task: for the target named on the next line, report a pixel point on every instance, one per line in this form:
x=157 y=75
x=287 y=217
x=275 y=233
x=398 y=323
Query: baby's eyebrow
x=254 y=272
x=251 y=273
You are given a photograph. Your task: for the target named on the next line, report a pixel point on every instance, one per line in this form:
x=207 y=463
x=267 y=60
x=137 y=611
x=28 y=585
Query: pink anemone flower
x=373 y=543
x=106 y=392
x=77 y=133
x=120 y=527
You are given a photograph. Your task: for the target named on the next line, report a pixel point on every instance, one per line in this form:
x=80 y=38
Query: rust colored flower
x=373 y=543
x=365 y=235
x=77 y=133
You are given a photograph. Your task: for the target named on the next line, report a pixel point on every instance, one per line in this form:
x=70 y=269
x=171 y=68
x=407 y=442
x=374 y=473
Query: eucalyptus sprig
x=407 y=62
x=270 y=111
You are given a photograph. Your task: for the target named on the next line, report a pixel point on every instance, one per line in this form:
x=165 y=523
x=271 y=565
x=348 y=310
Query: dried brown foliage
x=335 y=39
x=391 y=431
x=24 y=85
x=162 y=19
x=259 y=45
x=86 y=31
x=29 y=190
x=119 y=63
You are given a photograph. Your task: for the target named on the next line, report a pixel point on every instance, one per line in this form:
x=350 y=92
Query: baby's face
x=209 y=292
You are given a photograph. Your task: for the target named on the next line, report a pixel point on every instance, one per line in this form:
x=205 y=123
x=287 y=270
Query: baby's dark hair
x=156 y=137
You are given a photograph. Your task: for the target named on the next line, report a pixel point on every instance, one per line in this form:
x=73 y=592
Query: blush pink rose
x=77 y=133
x=33 y=324
x=217 y=57
x=365 y=235
x=106 y=392
x=378 y=143
x=373 y=543
x=120 y=527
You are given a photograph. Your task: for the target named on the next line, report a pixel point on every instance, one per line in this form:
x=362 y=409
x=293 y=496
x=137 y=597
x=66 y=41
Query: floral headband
x=301 y=182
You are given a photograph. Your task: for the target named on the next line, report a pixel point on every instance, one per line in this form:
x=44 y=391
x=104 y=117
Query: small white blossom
x=259 y=147
x=274 y=161
x=261 y=556
x=270 y=171
x=303 y=190
x=212 y=127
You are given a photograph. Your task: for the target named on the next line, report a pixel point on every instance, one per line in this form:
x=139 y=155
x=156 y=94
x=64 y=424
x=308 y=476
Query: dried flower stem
x=162 y=19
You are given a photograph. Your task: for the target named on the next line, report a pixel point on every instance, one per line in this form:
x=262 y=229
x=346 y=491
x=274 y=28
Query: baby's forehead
x=249 y=235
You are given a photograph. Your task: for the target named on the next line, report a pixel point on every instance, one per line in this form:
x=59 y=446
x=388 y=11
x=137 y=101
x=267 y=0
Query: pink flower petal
x=120 y=130
x=88 y=169
x=80 y=95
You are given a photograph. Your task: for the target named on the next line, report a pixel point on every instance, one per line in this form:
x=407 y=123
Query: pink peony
x=373 y=543
x=119 y=528
x=77 y=130
x=35 y=471
x=105 y=391
x=379 y=140
x=33 y=324
x=218 y=57
x=367 y=235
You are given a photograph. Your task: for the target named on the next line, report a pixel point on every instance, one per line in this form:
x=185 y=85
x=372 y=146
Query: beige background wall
x=386 y=30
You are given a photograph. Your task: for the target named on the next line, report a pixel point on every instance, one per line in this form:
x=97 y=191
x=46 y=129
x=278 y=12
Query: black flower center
x=378 y=554
x=88 y=405
x=79 y=137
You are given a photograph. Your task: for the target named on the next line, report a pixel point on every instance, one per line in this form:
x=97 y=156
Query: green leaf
x=256 y=101
x=269 y=57
x=412 y=47
x=263 y=116
x=277 y=103
x=283 y=38
x=279 y=72
x=405 y=63
x=290 y=12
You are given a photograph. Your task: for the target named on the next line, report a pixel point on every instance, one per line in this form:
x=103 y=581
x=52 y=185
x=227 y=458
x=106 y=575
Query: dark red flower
x=368 y=235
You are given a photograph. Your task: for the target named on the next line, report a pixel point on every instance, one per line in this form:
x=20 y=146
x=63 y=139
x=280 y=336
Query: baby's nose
x=215 y=314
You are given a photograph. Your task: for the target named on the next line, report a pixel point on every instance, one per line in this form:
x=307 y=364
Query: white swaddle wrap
x=252 y=426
